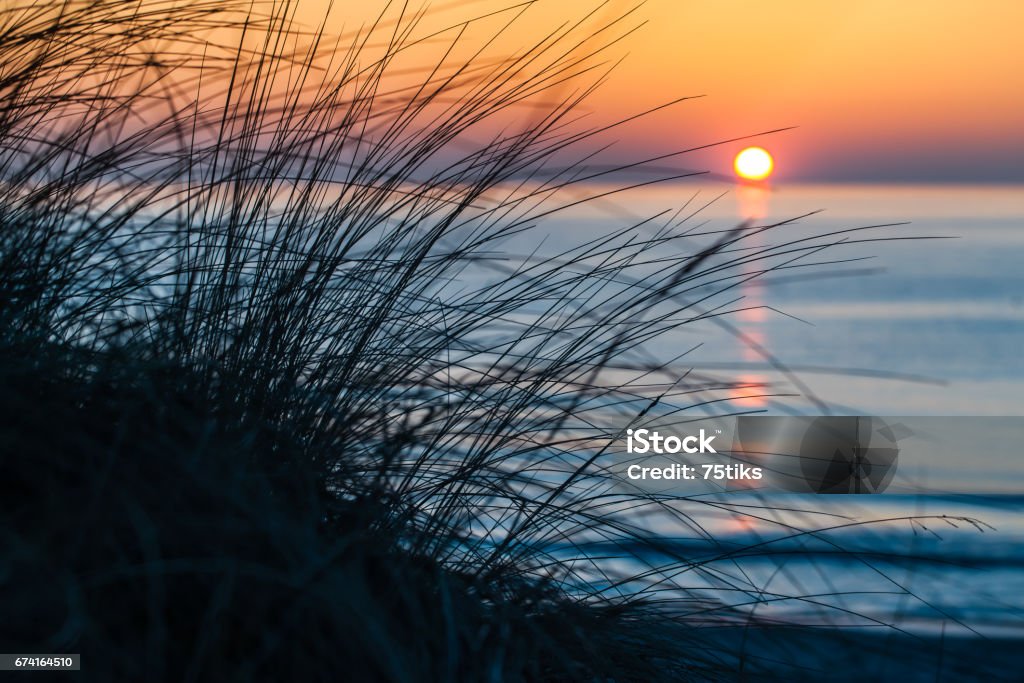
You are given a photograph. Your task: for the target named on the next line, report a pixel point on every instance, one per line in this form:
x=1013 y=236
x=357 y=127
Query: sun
x=753 y=163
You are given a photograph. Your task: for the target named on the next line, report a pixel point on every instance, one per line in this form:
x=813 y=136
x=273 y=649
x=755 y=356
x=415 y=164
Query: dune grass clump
x=277 y=403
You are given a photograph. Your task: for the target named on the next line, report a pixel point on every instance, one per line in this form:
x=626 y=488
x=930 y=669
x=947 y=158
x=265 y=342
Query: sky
x=876 y=90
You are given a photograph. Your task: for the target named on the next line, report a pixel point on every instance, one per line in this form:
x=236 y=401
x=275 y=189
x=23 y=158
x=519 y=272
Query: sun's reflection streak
x=751 y=388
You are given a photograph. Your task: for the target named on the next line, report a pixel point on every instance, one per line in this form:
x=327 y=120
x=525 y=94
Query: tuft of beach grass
x=278 y=401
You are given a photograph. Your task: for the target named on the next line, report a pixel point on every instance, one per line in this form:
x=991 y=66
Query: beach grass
x=279 y=401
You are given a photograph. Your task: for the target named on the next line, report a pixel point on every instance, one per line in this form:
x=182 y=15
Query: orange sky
x=879 y=89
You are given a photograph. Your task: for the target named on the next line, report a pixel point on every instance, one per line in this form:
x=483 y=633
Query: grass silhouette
x=276 y=400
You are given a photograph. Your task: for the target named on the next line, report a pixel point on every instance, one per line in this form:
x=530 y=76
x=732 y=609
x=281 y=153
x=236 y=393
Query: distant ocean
x=930 y=327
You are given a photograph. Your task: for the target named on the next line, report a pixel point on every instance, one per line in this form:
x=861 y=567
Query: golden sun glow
x=753 y=163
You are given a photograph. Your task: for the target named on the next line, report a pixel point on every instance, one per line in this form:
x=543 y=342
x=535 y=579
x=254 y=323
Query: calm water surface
x=932 y=327
x=922 y=327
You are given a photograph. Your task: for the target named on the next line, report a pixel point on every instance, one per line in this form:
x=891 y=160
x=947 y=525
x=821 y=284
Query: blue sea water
x=925 y=565
x=912 y=327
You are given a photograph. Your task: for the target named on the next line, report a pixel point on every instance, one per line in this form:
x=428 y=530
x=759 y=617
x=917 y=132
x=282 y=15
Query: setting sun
x=753 y=163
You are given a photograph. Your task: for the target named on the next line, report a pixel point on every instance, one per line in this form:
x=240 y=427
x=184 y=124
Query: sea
x=921 y=314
